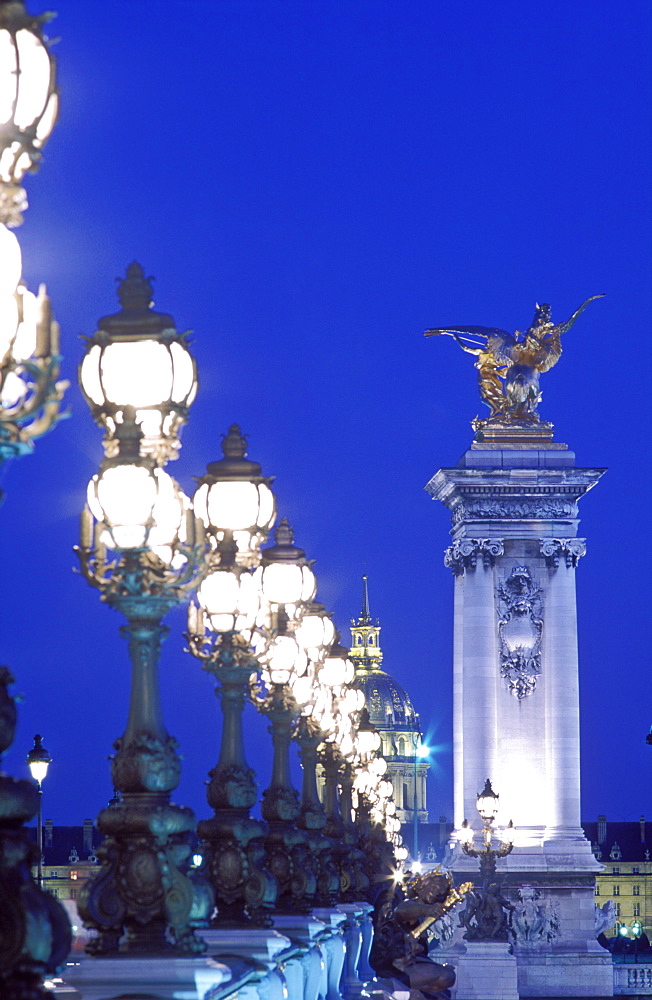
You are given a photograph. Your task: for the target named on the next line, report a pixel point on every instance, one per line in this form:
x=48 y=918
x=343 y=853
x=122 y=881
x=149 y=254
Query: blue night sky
x=312 y=185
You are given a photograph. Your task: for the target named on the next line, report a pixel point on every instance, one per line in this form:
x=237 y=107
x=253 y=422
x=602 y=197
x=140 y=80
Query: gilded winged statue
x=509 y=364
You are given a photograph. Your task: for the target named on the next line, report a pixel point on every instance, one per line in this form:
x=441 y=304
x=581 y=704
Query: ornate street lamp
x=487 y=806
x=227 y=631
x=38 y=760
x=28 y=102
x=142 y=548
x=137 y=358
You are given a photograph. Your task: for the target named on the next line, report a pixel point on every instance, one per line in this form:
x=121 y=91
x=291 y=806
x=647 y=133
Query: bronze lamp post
x=142 y=548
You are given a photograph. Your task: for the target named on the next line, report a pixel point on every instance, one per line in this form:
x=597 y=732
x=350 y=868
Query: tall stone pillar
x=514 y=556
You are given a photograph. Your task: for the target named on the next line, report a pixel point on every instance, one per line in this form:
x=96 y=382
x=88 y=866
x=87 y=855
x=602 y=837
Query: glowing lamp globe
x=136 y=358
x=465 y=835
x=285 y=661
x=368 y=738
x=487 y=803
x=137 y=504
x=231 y=599
x=235 y=499
x=288 y=582
x=336 y=669
x=38 y=760
x=316 y=632
x=28 y=96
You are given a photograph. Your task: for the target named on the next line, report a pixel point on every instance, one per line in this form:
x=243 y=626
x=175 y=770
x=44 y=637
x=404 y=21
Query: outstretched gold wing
x=565 y=327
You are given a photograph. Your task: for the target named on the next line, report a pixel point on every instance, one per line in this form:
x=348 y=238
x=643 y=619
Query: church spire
x=365 y=651
x=364 y=616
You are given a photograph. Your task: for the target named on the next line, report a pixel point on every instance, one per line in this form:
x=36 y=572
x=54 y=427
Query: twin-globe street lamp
x=30 y=393
x=145 y=548
x=30 y=396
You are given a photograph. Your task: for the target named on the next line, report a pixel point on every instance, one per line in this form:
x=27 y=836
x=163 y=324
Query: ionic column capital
x=570 y=550
x=463 y=553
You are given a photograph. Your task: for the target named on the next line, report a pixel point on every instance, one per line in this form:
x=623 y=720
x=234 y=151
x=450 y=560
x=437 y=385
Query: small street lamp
x=487 y=806
x=39 y=760
x=420 y=751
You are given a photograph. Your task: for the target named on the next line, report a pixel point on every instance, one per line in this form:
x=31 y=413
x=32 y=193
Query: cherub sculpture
x=400 y=949
x=509 y=365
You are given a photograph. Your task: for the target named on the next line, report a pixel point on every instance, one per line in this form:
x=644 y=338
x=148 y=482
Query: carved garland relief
x=520 y=625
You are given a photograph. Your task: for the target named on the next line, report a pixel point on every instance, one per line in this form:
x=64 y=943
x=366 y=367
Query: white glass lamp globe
x=288 y=582
x=316 y=632
x=28 y=98
x=230 y=596
x=487 y=803
x=235 y=499
x=136 y=358
x=137 y=506
x=285 y=660
x=336 y=669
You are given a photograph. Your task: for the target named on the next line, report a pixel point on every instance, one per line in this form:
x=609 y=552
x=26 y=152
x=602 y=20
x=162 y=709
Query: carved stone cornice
x=464 y=552
x=505 y=508
x=511 y=494
x=570 y=550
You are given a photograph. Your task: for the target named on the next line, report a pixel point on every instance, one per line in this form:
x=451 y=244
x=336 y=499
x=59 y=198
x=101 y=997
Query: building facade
x=69 y=857
x=625 y=850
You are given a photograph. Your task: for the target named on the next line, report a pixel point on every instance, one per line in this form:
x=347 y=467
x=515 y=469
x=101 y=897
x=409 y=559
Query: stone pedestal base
x=161 y=977
x=557 y=972
x=485 y=971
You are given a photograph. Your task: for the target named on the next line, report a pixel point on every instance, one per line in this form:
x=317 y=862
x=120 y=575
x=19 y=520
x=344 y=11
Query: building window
x=597 y=889
x=73 y=894
x=73 y=875
x=617 y=914
x=615 y=871
x=637 y=909
x=55 y=892
x=406 y=804
x=636 y=890
x=636 y=870
x=616 y=891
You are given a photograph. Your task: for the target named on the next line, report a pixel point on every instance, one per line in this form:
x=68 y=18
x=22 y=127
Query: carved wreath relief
x=519 y=631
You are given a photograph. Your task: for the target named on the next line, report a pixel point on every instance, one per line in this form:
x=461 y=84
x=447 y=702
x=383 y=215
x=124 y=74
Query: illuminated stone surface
x=514 y=557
